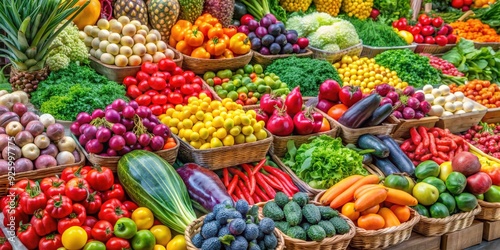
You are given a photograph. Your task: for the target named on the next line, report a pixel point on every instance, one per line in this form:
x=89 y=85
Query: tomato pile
x=208 y=39
x=163 y=85
x=428 y=30
x=483 y=92
x=486 y=137
x=85 y=203
x=444 y=66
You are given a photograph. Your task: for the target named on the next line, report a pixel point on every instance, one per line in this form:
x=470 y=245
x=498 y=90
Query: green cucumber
x=152 y=182
x=368 y=141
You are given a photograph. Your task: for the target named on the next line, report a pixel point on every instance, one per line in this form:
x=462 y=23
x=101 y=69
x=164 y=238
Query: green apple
x=426 y=194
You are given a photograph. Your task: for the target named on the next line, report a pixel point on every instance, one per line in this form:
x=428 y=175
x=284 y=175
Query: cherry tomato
x=452 y=38
x=424 y=19
x=197 y=81
x=427 y=30
x=419 y=38
x=167 y=65
x=129 y=80
x=157 y=83
x=177 y=81
x=196 y=88
x=178 y=71
x=189 y=75
x=143 y=86
x=441 y=40
x=415 y=31
x=133 y=91
x=175 y=98
x=159 y=99
x=430 y=40
x=166 y=91
x=160 y=74
x=187 y=89
x=149 y=67
x=142 y=76
x=217 y=81
x=151 y=93
x=437 y=22
x=143 y=100
x=156 y=110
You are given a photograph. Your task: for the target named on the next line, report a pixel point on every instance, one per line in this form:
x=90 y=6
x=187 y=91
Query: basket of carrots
x=382 y=215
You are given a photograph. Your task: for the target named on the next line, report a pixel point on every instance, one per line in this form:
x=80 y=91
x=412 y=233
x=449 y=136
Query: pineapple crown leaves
x=31 y=26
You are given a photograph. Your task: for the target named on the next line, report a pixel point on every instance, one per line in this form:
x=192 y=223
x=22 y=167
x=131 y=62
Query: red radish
x=268 y=103
x=294 y=102
x=374 y=14
x=409 y=91
x=280 y=123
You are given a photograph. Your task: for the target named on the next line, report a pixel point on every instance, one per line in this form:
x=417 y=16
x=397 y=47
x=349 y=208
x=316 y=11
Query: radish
x=280 y=123
x=409 y=91
x=394 y=96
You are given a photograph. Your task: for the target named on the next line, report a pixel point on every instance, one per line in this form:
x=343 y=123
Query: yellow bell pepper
x=177 y=243
x=162 y=234
x=143 y=218
x=200 y=52
x=159 y=247
x=239 y=44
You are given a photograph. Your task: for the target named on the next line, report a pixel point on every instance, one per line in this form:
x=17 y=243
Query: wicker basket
x=369 y=51
x=351 y=135
x=402 y=129
x=386 y=237
x=195 y=227
x=489 y=211
x=170 y=155
x=437 y=227
x=333 y=57
x=222 y=157
x=265 y=60
x=494 y=46
x=462 y=122
x=492 y=115
x=8 y=179
x=279 y=142
x=433 y=48
x=117 y=74
x=200 y=66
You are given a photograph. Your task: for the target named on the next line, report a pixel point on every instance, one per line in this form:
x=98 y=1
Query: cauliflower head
x=341 y=33
x=58 y=61
x=67 y=46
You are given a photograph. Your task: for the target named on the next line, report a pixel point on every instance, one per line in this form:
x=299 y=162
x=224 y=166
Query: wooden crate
x=462 y=122
x=464 y=238
x=418 y=242
x=492 y=116
x=491 y=230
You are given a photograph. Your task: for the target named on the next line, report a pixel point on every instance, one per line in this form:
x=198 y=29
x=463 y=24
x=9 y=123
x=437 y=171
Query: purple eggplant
x=204 y=186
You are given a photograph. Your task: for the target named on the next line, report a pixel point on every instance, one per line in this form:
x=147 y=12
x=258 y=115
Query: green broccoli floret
x=66 y=47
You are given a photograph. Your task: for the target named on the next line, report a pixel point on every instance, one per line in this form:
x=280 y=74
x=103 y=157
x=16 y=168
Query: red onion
x=83 y=140
x=90 y=132
x=55 y=131
x=425 y=107
x=103 y=134
x=393 y=96
x=386 y=100
x=98 y=113
x=125 y=150
x=130 y=138
x=83 y=127
x=397 y=114
x=157 y=143
x=112 y=116
x=83 y=118
x=94 y=146
x=133 y=104
x=75 y=128
x=111 y=152
x=409 y=91
x=119 y=129
x=129 y=124
x=252 y=25
x=128 y=112
x=419 y=114
x=144 y=140
x=147 y=148
x=19 y=108
x=118 y=104
x=143 y=112
x=408 y=113
x=420 y=96
x=413 y=103
x=383 y=89
x=116 y=142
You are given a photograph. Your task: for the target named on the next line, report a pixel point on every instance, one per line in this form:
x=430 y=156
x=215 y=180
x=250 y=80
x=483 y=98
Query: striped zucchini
x=152 y=182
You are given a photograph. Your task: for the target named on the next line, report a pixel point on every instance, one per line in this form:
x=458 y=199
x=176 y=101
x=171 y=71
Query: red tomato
x=189 y=75
x=141 y=76
x=178 y=71
x=149 y=67
x=452 y=39
x=187 y=89
x=143 y=86
x=177 y=81
x=427 y=30
x=151 y=93
x=159 y=99
x=437 y=22
x=457 y=4
x=133 y=91
x=143 y=100
x=129 y=80
x=165 y=91
x=415 y=31
x=400 y=25
x=217 y=81
x=197 y=81
x=196 y=88
x=160 y=74
x=419 y=38
x=100 y=178
x=468 y=2
x=441 y=40
x=156 y=110
x=167 y=65
x=424 y=19
x=430 y=40
x=175 y=98
x=240 y=102
x=77 y=189
x=157 y=83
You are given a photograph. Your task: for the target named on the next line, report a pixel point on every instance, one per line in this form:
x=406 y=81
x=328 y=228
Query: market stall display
x=249 y=124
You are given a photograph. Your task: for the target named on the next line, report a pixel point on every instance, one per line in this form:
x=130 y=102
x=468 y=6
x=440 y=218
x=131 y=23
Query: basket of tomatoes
x=207 y=46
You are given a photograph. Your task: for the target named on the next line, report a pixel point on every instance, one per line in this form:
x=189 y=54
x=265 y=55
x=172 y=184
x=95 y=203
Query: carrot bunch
x=474 y=29
x=369 y=204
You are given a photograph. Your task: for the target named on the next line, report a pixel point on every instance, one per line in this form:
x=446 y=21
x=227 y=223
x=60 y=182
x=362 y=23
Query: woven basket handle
x=465 y=15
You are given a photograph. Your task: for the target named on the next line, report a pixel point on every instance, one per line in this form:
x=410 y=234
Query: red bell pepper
x=76 y=218
x=4 y=243
x=14 y=215
x=102 y=231
x=131 y=207
x=293 y=102
x=116 y=243
x=23 y=184
x=112 y=210
x=27 y=235
x=116 y=192
x=52 y=186
x=50 y=242
x=32 y=199
x=72 y=172
x=43 y=223
x=100 y=178
x=350 y=95
x=59 y=207
x=90 y=221
x=93 y=203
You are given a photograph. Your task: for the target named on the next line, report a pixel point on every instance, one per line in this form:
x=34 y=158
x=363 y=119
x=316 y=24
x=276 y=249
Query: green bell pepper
x=125 y=228
x=493 y=194
x=94 y=245
x=143 y=240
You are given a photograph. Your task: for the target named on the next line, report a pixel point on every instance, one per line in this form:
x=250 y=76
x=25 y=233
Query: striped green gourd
x=152 y=182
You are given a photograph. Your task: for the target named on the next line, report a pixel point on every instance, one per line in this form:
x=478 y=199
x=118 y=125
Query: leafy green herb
x=411 y=68
x=259 y=8
x=482 y=64
x=307 y=73
x=391 y=10
x=376 y=34
x=75 y=89
x=323 y=162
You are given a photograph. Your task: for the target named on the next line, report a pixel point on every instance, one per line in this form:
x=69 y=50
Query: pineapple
x=190 y=9
x=295 y=5
x=221 y=9
x=134 y=9
x=163 y=15
x=29 y=33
